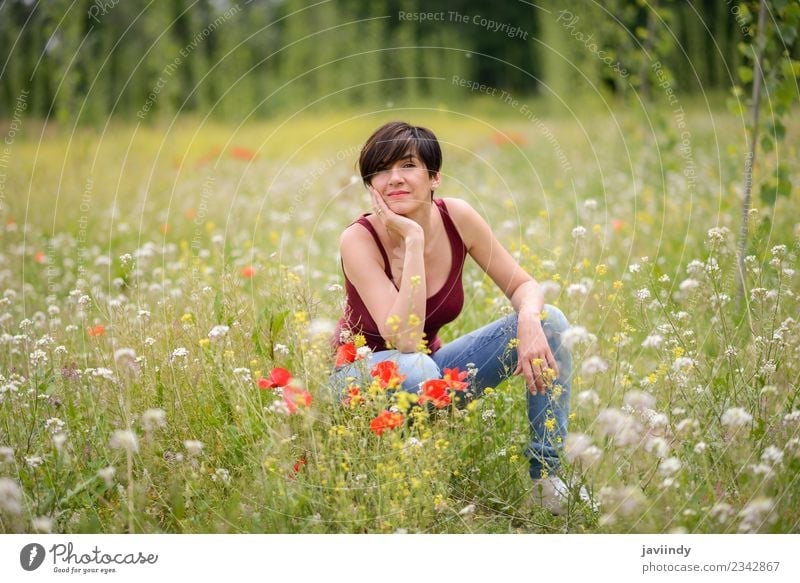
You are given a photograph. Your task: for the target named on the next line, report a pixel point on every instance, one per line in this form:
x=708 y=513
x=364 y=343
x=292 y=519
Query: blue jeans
x=488 y=350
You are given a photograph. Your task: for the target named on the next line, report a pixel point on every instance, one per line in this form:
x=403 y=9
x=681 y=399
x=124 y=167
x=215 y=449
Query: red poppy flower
x=435 y=391
x=40 y=257
x=385 y=421
x=95 y=331
x=294 y=397
x=248 y=271
x=346 y=354
x=243 y=154
x=455 y=379
x=388 y=374
x=298 y=465
x=278 y=377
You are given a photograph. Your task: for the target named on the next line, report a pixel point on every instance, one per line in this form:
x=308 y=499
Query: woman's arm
x=534 y=356
x=398 y=313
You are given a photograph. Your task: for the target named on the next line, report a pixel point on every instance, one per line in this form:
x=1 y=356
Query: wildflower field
x=169 y=293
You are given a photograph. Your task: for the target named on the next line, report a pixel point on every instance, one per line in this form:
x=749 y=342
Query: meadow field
x=158 y=282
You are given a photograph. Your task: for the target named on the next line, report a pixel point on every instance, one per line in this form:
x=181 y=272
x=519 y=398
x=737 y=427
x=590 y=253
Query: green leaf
x=768 y=193
x=745 y=74
x=767 y=143
x=219 y=307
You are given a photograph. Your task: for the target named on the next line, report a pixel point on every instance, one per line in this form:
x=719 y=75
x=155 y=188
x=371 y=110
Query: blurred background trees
x=84 y=60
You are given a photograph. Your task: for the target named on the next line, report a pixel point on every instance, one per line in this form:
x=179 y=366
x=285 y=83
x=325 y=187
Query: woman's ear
x=436 y=180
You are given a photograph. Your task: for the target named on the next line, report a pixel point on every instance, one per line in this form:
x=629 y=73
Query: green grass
x=146 y=231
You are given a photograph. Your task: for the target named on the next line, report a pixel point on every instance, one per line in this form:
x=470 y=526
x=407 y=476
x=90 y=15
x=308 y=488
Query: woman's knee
x=418 y=367
x=555 y=319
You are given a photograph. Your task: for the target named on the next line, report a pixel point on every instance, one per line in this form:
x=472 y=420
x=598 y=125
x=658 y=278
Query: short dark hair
x=395 y=141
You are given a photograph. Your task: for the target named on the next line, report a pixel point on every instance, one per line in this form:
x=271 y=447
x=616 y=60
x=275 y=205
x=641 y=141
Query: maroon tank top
x=441 y=308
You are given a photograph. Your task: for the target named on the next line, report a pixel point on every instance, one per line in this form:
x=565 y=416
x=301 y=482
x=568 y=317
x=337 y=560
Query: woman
x=402 y=266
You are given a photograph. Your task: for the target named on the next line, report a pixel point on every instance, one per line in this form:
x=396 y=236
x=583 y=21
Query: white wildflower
x=579 y=447
x=53 y=425
x=38 y=357
x=658 y=446
x=712 y=267
x=105 y=373
x=281 y=349
x=682 y=363
x=10 y=497
x=6 y=454
x=179 y=352
x=593 y=365
x=736 y=417
x=687 y=426
x=575 y=335
x=622 y=428
x=653 y=341
x=125 y=440
x=722 y=512
x=688 y=284
x=779 y=251
x=193 y=447
x=221 y=475
x=700 y=447
x=695 y=267
x=34 y=461
x=124 y=355
x=579 y=232
x=577 y=289
x=762 y=469
x=755 y=515
x=218 y=332
x=717 y=235
x=468 y=510
x=642 y=295
x=59 y=439
x=588 y=398
x=154 y=419
x=243 y=373
x=772 y=455
x=639 y=400
x=107 y=475
x=792 y=417
x=42 y=525
x=413 y=442
x=669 y=467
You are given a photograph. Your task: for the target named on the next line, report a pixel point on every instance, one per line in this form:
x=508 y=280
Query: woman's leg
x=417 y=367
x=489 y=350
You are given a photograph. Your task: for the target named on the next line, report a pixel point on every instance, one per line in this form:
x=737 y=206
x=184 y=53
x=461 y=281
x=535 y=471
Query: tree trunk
x=751 y=155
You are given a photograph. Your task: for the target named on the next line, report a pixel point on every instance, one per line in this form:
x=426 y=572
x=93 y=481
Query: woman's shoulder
x=464 y=216
x=358 y=230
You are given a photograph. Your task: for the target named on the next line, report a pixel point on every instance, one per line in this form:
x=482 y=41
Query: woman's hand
x=535 y=360
x=395 y=224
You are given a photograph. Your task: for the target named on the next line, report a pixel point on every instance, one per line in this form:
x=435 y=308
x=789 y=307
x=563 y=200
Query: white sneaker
x=553 y=494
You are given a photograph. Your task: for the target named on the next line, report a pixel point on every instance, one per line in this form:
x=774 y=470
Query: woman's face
x=405 y=185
